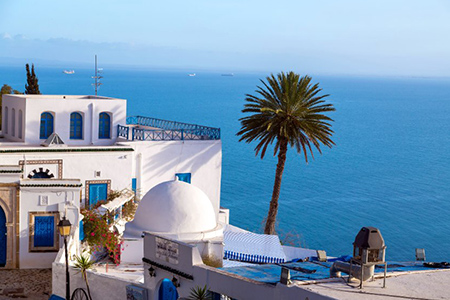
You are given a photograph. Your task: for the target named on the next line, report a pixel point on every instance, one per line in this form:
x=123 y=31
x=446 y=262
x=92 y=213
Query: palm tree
x=289 y=111
x=84 y=263
x=200 y=293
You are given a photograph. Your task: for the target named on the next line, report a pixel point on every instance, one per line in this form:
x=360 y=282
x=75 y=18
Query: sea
x=390 y=167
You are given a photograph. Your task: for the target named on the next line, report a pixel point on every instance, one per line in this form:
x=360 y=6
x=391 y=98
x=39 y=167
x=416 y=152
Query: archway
x=167 y=291
x=2 y=238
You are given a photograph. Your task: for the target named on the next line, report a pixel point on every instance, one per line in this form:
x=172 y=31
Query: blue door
x=97 y=192
x=2 y=238
x=167 y=291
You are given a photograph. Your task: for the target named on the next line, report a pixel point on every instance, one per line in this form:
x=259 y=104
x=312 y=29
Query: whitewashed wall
x=60 y=199
x=114 y=166
x=161 y=160
x=17 y=104
x=61 y=107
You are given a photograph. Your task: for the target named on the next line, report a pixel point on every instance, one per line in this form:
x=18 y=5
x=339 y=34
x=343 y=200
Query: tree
x=287 y=110
x=84 y=263
x=32 y=86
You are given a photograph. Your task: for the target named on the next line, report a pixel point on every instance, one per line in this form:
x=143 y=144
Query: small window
x=46 y=125
x=186 y=177
x=20 y=124
x=104 y=126
x=76 y=126
x=6 y=119
x=133 y=185
x=13 y=122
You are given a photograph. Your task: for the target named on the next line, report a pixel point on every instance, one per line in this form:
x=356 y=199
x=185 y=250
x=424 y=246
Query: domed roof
x=173 y=207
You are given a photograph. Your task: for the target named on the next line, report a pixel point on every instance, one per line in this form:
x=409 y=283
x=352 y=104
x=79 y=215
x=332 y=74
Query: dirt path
x=29 y=283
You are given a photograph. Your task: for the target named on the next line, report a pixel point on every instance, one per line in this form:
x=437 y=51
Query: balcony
x=140 y=128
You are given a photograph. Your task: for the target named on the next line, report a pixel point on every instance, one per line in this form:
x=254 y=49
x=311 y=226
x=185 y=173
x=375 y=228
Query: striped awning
x=252 y=247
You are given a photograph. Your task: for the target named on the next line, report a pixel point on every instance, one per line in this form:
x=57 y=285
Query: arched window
x=6 y=119
x=76 y=126
x=104 y=126
x=46 y=125
x=13 y=122
x=20 y=127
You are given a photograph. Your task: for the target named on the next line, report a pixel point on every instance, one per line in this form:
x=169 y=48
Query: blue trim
x=46 y=128
x=104 y=126
x=133 y=184
x=81 y=230
x=76 y=126
x=44 y=231
x=186 y=177
x=2 y=238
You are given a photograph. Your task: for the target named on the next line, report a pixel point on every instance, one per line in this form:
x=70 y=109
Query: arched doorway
x=2 y=238
x=167 y=291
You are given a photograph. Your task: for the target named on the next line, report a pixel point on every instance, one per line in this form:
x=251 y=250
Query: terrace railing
x=164 y=130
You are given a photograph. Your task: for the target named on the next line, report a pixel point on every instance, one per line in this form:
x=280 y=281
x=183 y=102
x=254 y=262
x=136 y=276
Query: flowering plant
x=99 y=235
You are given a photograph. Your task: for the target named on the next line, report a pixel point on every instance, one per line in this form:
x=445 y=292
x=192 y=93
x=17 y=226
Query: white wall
x=114 y=166
x=161 y=160
x=29 y=202
x=18 y=104
x=61 y=107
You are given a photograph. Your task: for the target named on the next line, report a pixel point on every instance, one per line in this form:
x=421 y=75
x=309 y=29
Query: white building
x=62 y=153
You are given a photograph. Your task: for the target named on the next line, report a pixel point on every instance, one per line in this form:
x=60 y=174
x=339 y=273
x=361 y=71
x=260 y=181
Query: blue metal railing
x=166 y=130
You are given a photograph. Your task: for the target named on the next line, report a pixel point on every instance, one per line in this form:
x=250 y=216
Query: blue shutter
x=81 y=230
x=46 y=128
x=133 y=184
x=44 y=231
x=76 y=126
x=186 y=177
x=104 y=126
x=97 y=192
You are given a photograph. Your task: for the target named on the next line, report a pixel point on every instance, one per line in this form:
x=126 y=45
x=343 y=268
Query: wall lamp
x=151 y=271
x=175 y=282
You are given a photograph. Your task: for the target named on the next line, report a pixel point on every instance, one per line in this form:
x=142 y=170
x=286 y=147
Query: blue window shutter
x=44 y=231
x=104 y=126
x=76 y=126
x=46 y=128
x=97 y=192
x=133 y=184
x=81 y=230
x=186 y=177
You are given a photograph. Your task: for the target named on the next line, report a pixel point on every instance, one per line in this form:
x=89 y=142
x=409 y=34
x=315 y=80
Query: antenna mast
x=97 y=77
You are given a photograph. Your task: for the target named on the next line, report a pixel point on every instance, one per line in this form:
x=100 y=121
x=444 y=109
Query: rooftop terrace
x=140 y=128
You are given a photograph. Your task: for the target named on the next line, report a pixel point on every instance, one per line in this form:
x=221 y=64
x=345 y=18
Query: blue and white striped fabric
x=252 y=247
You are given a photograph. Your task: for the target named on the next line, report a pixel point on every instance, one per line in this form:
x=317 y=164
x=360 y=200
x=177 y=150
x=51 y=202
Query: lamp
x=151 y=271
x=64 y=227
x=64 y=230
x=175 y=282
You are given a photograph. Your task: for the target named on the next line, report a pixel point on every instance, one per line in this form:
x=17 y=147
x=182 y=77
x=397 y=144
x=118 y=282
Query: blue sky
x=398 y=37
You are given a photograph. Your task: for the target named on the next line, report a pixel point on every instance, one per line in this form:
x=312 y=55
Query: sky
x=354 y=37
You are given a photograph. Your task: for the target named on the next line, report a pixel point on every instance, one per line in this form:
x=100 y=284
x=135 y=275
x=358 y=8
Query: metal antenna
x=97 y=77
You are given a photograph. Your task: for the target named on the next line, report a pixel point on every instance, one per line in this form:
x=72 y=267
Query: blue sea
x=390 y=167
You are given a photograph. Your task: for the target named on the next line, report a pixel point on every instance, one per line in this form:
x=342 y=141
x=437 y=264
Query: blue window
x=97 y=192
x=186 y=177
x=133 y=184
x=46 y=125
x=81 y=230
x=76 y=126
x=104 y=126
x=44 y=231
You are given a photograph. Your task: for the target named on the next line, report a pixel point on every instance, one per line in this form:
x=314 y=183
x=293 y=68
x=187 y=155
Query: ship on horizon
x=69 y=71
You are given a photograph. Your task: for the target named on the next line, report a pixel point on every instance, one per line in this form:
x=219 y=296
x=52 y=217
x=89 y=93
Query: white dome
x=175 y=208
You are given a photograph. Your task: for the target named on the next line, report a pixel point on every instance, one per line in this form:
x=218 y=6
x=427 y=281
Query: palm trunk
x=87 y=285
x=273 y=209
